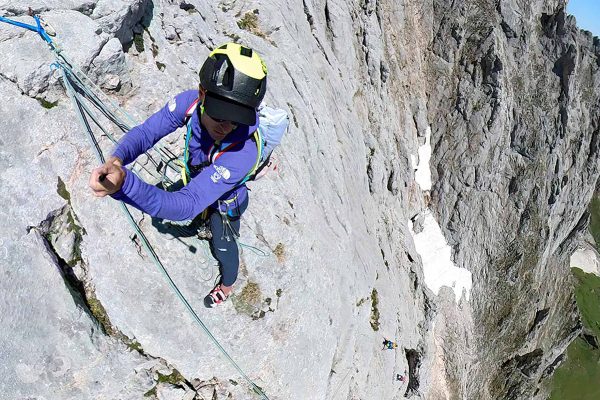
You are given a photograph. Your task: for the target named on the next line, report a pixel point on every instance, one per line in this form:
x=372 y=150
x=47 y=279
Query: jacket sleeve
x=202 y=191
x=144 y=136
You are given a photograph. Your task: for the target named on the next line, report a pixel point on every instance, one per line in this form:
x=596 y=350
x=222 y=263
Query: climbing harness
x=78 y=87
x=224 y=212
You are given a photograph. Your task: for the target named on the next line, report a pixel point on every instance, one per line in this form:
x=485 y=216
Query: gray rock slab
x=118 y=17
x=51 y=346
x=59 y=352
x=339 y=270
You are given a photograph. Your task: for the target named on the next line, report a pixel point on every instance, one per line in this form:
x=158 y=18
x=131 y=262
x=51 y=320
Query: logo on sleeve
x=220 y=172
x=172 y=104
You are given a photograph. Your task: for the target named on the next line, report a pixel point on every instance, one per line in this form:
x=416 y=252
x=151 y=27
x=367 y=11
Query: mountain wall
x=431 y=189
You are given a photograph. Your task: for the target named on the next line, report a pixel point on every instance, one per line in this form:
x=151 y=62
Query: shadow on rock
x=197 y=227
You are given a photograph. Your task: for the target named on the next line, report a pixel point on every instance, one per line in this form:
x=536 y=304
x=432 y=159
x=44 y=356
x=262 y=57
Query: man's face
x=217 y=129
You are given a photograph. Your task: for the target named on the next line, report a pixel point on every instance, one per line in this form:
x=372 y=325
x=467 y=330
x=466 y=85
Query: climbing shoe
x=215 y=297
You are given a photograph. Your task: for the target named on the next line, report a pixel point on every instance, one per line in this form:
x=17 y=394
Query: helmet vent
x=245 y=51
x=223 y=74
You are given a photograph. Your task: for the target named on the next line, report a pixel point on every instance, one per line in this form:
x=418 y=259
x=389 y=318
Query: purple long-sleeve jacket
x=218 y=181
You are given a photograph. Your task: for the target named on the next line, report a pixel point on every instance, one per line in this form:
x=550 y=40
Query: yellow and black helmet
x=235 y=80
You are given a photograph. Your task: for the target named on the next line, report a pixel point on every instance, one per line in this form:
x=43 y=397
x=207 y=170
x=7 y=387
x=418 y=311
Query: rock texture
x=509 y=91
x=516 y=162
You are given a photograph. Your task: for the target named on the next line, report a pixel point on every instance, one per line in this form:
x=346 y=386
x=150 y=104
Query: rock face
x=506 y=92
x=515 y=121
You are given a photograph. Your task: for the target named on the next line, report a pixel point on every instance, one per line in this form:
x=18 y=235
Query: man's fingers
x=96 y=172
x=107 y=178
x=101 y=170
x=99 y=191
x=115 y=160
x=97 y=180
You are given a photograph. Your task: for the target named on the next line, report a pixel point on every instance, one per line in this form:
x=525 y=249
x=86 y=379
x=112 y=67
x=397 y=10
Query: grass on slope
x=595 y=219
x=587 y=294
x=578 y=378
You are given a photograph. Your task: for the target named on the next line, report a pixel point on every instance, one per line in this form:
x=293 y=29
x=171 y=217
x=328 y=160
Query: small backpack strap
x=258 y=139
x=185 y=172
x=190 y=110
x=217 y=150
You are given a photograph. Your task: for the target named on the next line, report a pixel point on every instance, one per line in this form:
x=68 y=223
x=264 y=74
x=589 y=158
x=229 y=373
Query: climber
x=222 y=152
x=388 y=344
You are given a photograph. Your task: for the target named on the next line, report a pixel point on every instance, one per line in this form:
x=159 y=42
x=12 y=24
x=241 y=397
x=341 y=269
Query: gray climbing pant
x=225 y=229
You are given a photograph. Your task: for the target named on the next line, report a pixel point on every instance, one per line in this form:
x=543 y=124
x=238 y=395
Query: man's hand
x=107 y=178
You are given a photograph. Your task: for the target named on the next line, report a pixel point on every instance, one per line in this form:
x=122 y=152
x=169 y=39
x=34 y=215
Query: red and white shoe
x=215 y=297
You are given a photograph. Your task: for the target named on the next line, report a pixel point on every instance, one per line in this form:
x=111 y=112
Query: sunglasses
x=222 y=121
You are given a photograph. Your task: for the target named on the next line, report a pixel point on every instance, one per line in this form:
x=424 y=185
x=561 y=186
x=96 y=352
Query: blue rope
x=37 y=28
x=186 y=152
x=255 y=250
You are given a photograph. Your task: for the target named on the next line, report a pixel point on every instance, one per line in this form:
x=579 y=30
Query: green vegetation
x=134 y=345
x=154 y=46
x=248 y=300
x=578 y=377
x=98 y=311
x=361 y=301
x=249 y=22
x=587 y=294
x=279 y=252
x=174 y=378
x=62 y=191
x=595 y=219
x=374 y=310
x=151 y=392
x=72 y=225
x=46 y=104
x=251 y=293
x=138 y=42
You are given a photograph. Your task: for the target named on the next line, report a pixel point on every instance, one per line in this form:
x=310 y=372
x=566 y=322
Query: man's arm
x=144 y=136
x=203 y=190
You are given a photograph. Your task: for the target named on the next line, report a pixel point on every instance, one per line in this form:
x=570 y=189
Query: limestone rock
x=503 y=96
x=110 y=66
x=119 y=17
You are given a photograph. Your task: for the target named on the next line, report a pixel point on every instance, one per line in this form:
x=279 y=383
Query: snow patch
x=436 y=255
x=421 y=165
x=587 y=260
